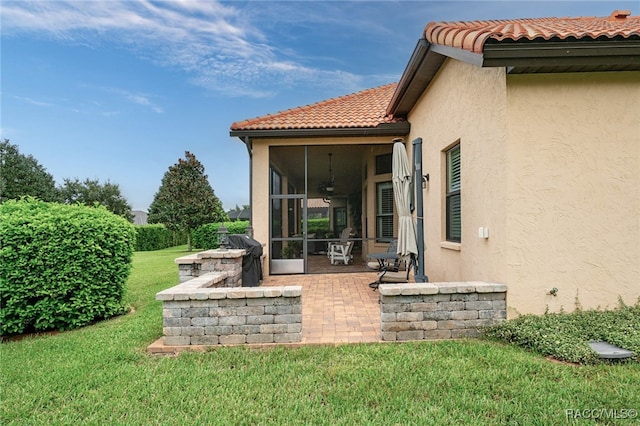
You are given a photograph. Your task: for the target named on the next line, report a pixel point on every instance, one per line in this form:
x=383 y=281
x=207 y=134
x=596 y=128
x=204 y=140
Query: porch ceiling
x=346 y=166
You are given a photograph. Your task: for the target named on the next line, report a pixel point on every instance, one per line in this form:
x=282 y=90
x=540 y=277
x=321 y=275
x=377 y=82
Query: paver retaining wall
x=197 y=313
x=446 y=310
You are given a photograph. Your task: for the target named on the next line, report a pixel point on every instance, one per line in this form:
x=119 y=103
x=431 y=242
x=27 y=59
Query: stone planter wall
x=230 y=261
x=198 y=313
x=449 y=310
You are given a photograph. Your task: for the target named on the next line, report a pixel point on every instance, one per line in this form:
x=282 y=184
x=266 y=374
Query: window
x=339 y=219
x=454 y=216
x=383 y=164
x=384 y=211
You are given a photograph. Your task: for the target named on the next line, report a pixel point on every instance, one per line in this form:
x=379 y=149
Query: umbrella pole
x=417 y=184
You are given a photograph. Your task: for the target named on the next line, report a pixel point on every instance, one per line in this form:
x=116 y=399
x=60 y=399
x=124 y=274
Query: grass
x=102 y=375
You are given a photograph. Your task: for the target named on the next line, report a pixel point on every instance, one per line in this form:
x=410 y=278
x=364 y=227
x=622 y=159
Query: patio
x=336 y=308
x=322 y=309
x=320 y=264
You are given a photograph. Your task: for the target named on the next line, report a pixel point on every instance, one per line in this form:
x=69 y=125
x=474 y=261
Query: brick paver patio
x=336 y=308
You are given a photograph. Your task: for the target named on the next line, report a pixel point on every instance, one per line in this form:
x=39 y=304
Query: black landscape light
x=223 y=237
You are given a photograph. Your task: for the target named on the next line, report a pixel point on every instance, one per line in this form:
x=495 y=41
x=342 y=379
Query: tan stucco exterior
x=465 y=105
x=573 y=187
x=551 y=166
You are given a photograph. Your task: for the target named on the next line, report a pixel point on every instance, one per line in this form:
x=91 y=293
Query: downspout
x=417 y=179
x=248 y=144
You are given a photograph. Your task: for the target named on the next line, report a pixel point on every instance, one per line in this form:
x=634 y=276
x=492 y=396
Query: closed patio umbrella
x=401 y=178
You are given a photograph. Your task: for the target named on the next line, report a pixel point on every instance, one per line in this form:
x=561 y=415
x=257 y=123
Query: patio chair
x=341 y=252
x=343 y=239
x=393 y=275
x=389 y=260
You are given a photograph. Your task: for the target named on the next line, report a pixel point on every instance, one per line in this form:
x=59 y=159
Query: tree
x=90 y=192
x=22 y=175
x=185 y=199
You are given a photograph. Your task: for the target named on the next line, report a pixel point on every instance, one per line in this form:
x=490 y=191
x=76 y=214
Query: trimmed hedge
x=157 y=237
x=318 y=226
x=61 y=266
x=205 y=237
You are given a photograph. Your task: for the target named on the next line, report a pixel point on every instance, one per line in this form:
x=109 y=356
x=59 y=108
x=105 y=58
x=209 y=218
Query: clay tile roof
x=473 y=35
x=357 y=110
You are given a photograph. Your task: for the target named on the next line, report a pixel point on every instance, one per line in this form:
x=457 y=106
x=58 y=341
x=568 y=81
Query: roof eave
x=385 y=129
x=524 y=57
x=422 y=67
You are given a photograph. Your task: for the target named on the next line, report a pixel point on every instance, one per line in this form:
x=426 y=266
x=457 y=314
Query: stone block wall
x=194 y=313
x=230 y=261
x=448 y=310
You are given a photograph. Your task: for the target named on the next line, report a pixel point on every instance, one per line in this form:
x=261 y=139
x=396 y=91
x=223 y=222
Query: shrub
x=565 y=336
x=319 y=226
x=205 y=237
x=61 y=266
x=151 y=237
x=157 y=237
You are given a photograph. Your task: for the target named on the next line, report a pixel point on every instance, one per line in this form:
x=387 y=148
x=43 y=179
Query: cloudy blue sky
x=118 y=90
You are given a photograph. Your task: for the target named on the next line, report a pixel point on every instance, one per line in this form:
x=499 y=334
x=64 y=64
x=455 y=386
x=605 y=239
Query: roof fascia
x=422 y=67
x=386 y=129
x=602 y=52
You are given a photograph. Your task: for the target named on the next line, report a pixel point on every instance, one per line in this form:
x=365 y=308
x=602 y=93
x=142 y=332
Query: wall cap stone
x=197 y=258
x=440 y=288
x=187 y=260
x=199 y=288
x=390 y=289
x=253 y=293
x=482 y=287
x=292 y=291
x=221 y=254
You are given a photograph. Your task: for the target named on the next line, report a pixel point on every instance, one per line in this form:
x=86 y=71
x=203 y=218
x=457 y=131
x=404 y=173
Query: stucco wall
x=573 y=186
x=551 y=165
x=467 y=104
x=260 y=198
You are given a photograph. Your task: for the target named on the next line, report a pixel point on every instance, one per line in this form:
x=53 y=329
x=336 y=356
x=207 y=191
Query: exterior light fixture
x=223 y=237
x=329 y=187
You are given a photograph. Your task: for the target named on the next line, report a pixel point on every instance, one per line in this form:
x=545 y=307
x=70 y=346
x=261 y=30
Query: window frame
x=381 y=227
x=384 y=164
x=453 y=205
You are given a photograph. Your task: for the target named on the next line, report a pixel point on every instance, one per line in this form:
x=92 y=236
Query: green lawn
x=101 y=375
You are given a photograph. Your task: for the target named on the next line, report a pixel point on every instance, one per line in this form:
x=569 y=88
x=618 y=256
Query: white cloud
x=34 y=101
x=144 y=101
x=215 y=43
x=110 y=113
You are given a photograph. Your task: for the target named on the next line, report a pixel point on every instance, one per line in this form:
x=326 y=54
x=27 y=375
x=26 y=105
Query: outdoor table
x=381 y=257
